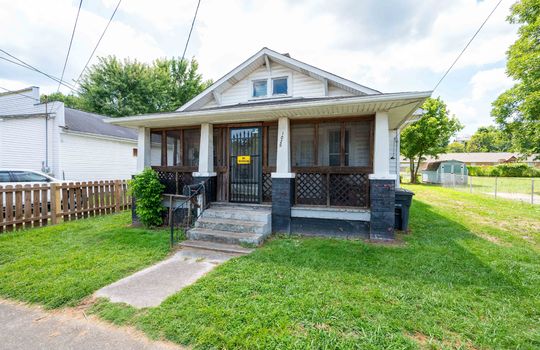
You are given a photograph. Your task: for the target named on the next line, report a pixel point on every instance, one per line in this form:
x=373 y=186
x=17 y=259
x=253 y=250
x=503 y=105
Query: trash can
x=403 y=204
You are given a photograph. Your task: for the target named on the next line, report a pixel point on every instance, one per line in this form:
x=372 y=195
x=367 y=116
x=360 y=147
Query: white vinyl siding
x=95 y=158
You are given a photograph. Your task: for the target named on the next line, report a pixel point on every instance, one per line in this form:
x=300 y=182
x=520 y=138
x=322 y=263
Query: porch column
x=143 y=149
x=206 y=161
x=382 y=184
x=282 y=181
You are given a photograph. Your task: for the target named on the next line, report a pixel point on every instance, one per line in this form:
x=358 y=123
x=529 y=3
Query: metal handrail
x=200 y=189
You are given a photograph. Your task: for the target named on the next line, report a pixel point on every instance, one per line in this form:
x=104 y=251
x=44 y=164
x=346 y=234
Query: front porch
x=316 y=173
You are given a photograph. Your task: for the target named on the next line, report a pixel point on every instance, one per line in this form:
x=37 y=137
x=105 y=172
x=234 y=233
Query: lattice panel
x=310 y=188
x=267 y=187
x=349 y=190
x=169 y=180
x=174 y=181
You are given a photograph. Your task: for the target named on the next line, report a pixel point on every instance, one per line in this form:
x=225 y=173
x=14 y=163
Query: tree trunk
x=411 y=170
x=417 y=167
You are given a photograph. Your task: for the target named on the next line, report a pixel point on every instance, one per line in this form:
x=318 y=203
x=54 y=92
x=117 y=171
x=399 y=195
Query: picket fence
x=48 y=204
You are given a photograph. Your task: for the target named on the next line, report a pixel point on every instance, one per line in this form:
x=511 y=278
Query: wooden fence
x=48 y=204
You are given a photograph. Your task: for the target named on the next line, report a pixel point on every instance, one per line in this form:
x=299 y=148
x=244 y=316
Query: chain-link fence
x=524 y=189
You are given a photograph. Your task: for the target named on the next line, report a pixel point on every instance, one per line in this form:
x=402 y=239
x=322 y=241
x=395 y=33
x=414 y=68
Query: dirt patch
x=492 y=239
x=427 y=342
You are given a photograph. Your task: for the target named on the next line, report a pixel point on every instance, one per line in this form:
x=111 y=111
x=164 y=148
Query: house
x=63 y=142
x=318 y=151
x=451 y=172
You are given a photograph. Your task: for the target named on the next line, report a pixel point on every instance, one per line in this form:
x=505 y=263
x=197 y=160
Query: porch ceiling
x=399 y=106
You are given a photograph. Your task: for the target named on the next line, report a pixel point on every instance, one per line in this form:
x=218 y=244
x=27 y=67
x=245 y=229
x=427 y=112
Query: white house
x=321 y=151
x=66 y=143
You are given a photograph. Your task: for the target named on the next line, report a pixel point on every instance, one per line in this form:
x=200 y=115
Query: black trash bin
x=403 y=204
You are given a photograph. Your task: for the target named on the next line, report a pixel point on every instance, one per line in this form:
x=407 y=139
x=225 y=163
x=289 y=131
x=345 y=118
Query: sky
x=391 y=45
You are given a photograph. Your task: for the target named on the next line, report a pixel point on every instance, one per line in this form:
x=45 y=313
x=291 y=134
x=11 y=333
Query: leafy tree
x=489 y=139
x=429 y=135
x=455 y=147
x=517 y=110
x=71 y=101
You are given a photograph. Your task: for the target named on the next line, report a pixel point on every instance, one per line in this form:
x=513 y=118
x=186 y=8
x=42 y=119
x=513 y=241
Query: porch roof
x=400 y=107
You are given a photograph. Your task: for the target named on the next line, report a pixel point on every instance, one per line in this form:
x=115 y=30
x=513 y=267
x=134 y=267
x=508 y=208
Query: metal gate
x=245 y=185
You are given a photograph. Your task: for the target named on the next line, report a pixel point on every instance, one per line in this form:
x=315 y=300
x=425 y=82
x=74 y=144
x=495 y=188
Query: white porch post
x=381 y=154
x=143 y=149
x=206 y=152
x=283 y=162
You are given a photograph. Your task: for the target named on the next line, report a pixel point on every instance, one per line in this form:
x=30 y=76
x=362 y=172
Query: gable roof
x=260 y=58
x=91 y=123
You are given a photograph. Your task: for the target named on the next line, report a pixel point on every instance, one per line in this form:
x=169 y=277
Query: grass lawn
x=467 y=277
x=60 y=265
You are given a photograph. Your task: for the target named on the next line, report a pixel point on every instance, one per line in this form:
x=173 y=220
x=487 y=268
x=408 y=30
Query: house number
x=281 y=139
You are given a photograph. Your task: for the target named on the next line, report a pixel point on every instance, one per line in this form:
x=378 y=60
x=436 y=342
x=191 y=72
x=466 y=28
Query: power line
x=69 y=47
x=30 y=67
x=466 y=46
x=99 y=41
x=190 y=30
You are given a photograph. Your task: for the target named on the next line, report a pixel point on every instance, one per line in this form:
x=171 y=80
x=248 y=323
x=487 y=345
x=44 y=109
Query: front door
x=245 y=185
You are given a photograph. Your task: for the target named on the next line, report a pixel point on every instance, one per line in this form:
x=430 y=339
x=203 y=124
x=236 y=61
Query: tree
x=121 y=88
x=429 y=135
x=455 y=147
x=517 y=110
x=71 y=101
x=489 y=139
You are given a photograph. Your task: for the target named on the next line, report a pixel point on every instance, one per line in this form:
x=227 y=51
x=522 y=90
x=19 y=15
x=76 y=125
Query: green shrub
x=147 y=191
x=505 y=170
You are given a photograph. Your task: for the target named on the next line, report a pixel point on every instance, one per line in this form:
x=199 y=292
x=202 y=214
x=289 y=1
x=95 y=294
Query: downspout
x=46 y=167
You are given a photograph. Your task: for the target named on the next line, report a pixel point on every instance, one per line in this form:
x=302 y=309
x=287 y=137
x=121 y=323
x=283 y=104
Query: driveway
x=25 y=327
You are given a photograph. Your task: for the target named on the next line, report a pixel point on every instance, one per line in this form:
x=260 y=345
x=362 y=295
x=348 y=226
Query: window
x=155 y=148
x=134 y=152
x=27 y=176
x=4 y=176
x=192 y=139
x=302 y=144
x=272 y=145
x=173 y=147
x=260 y=88
x=279 y=86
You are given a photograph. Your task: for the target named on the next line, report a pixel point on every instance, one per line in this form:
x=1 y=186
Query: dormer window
x=260 y=88
x=279 y=86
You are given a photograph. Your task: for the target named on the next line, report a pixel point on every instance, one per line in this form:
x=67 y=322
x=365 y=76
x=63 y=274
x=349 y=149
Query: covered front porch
x=329 y=163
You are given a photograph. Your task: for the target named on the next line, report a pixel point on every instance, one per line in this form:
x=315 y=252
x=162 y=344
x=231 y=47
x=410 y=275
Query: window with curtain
x=260 y=88
x=302 y=145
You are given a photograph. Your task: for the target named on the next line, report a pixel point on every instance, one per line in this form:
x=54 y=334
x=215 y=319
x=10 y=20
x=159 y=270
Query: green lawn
x=467 y=277
x=60 y=265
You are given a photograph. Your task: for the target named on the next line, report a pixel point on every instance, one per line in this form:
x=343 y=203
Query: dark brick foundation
x=282 y=201
x=383 y=201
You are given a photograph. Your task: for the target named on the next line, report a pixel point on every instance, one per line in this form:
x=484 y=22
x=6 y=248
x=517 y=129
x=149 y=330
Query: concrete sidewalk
x=25 y=328
x=149 y=287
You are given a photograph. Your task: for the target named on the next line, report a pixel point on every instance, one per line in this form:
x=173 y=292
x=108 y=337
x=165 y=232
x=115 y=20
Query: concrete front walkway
x=23 y=327
x=149 y=287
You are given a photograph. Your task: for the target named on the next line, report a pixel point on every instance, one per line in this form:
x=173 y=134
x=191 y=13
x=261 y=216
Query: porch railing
x=340 y=187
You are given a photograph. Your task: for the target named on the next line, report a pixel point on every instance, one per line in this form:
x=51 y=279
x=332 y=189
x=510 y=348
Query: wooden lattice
x=311 y=188
x=349 y=190
x=267 y=187
x=174 y=181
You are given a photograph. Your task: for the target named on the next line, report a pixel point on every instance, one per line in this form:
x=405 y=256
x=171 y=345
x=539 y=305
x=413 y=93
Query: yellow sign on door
x=243 y=160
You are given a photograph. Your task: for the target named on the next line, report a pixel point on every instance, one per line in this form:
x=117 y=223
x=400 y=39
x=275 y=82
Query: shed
x=446 y=172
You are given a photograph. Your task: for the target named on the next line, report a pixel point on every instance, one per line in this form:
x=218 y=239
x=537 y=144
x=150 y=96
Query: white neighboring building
x=66 y=143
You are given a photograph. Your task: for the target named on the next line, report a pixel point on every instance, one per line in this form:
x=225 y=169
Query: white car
x=24 y=177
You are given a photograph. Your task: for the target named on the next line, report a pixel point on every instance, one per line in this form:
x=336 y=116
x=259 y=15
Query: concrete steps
x=233 y=225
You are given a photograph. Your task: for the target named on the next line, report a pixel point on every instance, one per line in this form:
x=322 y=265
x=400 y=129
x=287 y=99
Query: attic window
x=279 y=86
x=260 y=88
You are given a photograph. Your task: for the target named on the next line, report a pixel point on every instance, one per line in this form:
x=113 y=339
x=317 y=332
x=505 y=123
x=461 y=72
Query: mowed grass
x=60 y=265
x=467 y=277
